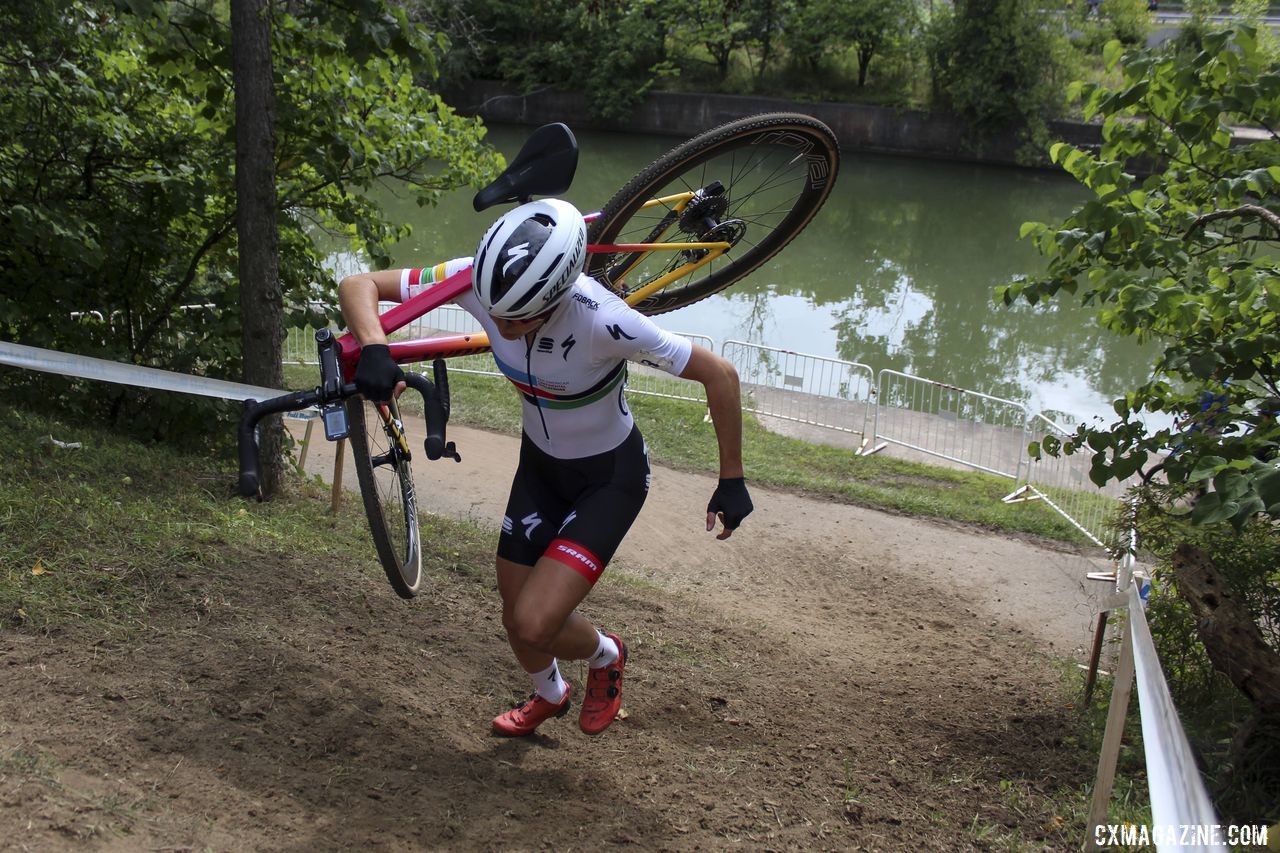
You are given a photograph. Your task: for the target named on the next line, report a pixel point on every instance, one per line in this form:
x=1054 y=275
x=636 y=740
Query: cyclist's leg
x=545 y=623
x=576 y=550
x=512 y=578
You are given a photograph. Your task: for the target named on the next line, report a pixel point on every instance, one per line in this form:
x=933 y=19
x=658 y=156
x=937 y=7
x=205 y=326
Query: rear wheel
x=757 y=183
x=386 y=486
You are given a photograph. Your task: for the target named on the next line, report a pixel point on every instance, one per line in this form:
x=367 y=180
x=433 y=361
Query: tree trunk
x=1237 y=649
x=261 y=299
x=864 y=62
x=1231 y=637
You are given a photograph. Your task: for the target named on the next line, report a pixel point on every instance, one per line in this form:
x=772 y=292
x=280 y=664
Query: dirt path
x=796 y=558
x=830 y=678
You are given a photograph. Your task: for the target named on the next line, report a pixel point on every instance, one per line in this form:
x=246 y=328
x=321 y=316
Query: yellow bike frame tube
x=401 y=440
x=677 y=201
x=715 y=251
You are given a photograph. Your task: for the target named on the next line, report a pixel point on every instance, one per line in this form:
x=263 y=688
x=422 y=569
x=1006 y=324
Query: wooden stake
x=306 y=445
x=1105 y=780
x=1098 y=633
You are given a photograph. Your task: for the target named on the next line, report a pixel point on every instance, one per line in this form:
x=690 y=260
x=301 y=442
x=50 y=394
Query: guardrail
x=1062 y=483
x=966 y=427
x=937 y=419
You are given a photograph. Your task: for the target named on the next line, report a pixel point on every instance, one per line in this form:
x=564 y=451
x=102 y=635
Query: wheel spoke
x=774 y=173
x=386 y=487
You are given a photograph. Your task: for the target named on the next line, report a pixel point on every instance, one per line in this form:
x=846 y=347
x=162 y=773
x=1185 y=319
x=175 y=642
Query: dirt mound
x=820 y=681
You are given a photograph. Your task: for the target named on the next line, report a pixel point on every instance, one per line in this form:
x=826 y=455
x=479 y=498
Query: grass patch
x=106 y=532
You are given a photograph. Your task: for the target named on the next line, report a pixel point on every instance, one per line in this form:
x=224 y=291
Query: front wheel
x=386 y=486
x=754 y=183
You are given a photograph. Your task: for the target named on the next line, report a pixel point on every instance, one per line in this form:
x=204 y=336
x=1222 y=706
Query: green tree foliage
x=820 y=28
x=1254 y=13
x=995 y=64
x=1199 y=22
x=612 y=51
x=1129 y=20
x=1187 y=260
x=117 y=161
x=721 y=27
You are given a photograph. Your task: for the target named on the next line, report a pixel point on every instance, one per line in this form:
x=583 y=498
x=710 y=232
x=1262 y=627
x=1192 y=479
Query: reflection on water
x=895 y=272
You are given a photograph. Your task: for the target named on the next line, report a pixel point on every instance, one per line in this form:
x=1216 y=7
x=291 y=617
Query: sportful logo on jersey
x=546 y=344
x=615 y=331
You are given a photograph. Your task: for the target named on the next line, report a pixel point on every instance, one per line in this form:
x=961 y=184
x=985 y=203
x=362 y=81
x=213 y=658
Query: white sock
x=605 y=654
x=549 y=684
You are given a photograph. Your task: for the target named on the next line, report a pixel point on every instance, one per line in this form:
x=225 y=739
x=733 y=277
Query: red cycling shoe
x=525 y=718
x=604 y=693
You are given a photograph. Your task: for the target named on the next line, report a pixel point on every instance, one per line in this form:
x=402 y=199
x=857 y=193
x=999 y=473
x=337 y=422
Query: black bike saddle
x=544 y=166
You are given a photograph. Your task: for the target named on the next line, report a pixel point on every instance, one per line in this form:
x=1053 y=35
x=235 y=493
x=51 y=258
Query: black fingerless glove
x=731 y=499
x=377 y=373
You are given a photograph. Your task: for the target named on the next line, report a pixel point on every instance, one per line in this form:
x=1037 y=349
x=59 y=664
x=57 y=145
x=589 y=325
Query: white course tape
x=84 y=367
x=1178 y=795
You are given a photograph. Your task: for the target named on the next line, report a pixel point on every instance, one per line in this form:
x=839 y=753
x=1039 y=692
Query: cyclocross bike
x=693 y=222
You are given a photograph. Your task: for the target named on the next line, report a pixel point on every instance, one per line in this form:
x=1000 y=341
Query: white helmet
x=528 y=259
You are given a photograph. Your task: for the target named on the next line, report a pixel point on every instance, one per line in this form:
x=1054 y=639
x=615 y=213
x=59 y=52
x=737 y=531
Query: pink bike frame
x=442 y=346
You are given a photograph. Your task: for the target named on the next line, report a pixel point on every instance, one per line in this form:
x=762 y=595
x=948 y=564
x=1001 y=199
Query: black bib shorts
x=575 y=511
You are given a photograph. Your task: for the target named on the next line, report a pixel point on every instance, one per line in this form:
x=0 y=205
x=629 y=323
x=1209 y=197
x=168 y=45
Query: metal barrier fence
x=98 y=329
x=1063 y=483
x=961 y=426
x=806 y=389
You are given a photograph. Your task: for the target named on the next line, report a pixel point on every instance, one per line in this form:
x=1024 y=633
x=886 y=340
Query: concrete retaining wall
x=857 y=126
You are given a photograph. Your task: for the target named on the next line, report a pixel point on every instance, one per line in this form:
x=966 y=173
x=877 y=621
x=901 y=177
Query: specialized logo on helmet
x=569 y=272
x=514 y=254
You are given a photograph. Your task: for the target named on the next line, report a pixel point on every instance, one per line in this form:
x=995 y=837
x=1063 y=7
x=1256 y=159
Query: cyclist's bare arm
x=358 y=297
x=724 y=400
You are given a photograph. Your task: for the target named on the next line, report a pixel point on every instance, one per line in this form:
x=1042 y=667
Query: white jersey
x=572 y=374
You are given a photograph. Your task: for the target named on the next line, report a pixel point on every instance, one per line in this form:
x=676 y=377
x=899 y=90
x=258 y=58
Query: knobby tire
x=777 y=170
x=387 y=490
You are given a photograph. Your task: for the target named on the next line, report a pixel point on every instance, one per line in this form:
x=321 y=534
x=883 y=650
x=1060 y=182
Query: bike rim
x=770 y=178
x=393 y=487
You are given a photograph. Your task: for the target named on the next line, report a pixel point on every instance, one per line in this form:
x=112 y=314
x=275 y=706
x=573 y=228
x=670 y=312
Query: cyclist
x=563 y=340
